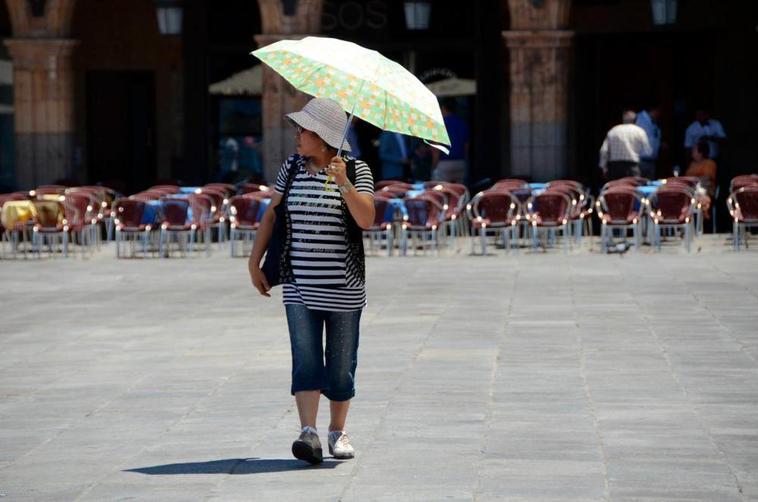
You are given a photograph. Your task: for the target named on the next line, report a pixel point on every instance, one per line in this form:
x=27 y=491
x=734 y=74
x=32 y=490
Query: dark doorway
x=121 y=128
x=632 y=70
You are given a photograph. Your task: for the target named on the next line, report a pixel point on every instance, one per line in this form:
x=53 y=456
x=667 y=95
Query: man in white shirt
x=648 y=120
x=624 y=146
x=704 y=127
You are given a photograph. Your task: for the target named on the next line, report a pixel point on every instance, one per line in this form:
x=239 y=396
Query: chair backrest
x=461 y=190
x=174 y=211
x=80 y=207
x=498 y=206
x=388 y=183
x=226 y=187
x=431 y=184
x=257 y=195
x=217 y=195
x=254 y=187
x=423 y=211
x=575 y=196
x=746 y=203
x=15 y=214
x=382 y=215
x=549 y=207
x=620 y=205
x=690 y=181
x=201 y=206
x=147 y=196
x=47 y=190
x=672 y=204
x=512 y=182
x=48 y=214
x=455 y=203
x=393 y=191
x=165 y=189
x=128 y=212
x=571 y=183
x=743 y=180
x=437 y=195
x=244 y=210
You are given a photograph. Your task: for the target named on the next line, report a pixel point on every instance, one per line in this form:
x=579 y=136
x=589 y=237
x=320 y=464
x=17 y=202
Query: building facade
x=93 y=91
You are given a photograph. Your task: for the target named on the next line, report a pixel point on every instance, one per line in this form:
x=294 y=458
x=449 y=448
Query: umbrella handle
x=342 y=143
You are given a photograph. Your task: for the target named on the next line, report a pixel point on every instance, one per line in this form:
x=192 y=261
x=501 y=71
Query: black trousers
x=622 y=168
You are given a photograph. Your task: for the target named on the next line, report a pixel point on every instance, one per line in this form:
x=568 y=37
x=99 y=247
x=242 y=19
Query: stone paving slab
x=521 y=377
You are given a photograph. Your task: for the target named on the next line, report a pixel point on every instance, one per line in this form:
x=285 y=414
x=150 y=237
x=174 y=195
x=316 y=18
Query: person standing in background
x=394 y=152
x=648 y=120
x=624 y=146
x=708 y=129
x=452 y=167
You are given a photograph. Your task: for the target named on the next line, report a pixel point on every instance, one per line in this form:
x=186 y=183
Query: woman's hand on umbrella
x=337 y=170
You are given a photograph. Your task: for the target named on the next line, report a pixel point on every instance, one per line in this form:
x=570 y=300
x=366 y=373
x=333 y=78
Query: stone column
x=278 y=98
x=282 y=20
x=43 y=98
x=539 y=75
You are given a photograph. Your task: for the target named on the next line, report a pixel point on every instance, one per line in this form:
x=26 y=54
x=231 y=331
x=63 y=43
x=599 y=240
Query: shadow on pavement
x=234 y=466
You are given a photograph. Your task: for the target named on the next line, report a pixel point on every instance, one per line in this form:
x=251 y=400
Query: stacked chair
x=425 y=216
x=743 y=207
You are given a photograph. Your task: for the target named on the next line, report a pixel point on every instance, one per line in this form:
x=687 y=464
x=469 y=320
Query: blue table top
x=647 y=190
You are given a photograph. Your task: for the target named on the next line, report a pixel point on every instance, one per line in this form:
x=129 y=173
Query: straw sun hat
x=326 y=118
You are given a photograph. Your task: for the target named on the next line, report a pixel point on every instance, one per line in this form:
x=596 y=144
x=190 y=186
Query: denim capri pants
x=329 y=368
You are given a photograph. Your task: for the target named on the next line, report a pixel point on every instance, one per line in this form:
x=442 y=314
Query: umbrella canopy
x=362 y=81
x=453 y=87
x=247 y=82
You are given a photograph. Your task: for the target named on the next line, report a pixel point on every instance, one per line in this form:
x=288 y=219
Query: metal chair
x=495 y=211
x=175 y=223
x=549 y=212
x=50 y=225
x=382 y=227
x=127 y=219
x=672 y=208
x=81 y=209
x=243 y=219
x=743 y=208
x=421 y=226
x=620 y=208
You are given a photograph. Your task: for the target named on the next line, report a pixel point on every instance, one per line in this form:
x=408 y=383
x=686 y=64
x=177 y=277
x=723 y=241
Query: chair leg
x=145 y=237
x=636 y=230
x=736 y=232
x=688 y=229
x=388 y=238
x=566 y=238
x=483 y=239
x=657 y=237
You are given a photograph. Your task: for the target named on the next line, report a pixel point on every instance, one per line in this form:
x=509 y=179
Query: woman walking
x=327 y=201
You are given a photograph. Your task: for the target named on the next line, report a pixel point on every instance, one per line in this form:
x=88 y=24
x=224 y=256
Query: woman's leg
x=341 y=356
x=338 y=415
x=306 y=329
x=307 y=406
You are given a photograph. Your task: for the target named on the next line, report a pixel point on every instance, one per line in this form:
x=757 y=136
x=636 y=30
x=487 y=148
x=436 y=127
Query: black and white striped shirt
x=319 y=248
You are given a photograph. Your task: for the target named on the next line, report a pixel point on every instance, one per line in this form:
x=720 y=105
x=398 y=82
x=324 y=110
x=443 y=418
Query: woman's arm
x=360 y=205
x=262 y=236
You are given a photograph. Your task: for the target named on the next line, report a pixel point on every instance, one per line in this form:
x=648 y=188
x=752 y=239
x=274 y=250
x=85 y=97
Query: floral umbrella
x=365 y=83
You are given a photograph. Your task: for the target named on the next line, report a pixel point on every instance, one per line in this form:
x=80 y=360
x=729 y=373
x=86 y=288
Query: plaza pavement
x=538 y=377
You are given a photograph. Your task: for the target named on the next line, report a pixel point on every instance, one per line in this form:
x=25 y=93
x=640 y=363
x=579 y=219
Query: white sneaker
x=339 y=445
